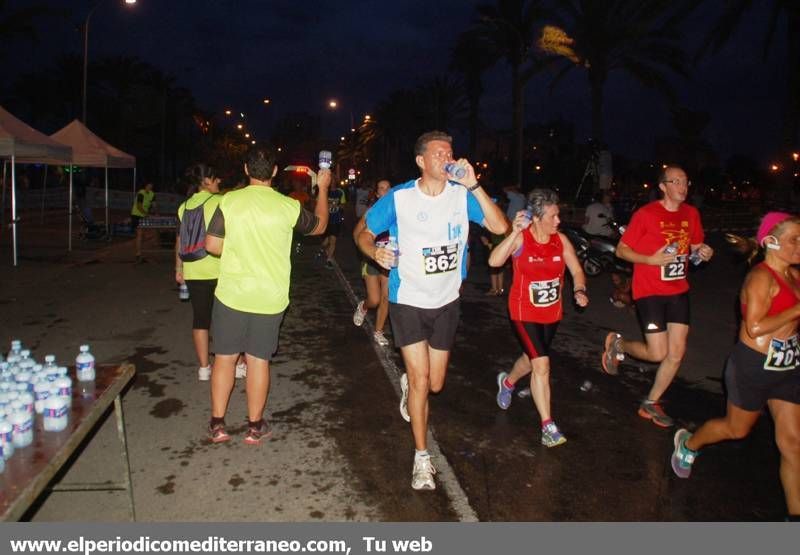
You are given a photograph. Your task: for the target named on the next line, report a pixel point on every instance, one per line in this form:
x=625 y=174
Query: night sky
x=301 y=53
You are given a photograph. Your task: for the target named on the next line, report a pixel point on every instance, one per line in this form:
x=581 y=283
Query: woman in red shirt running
x=539 y=254
x=764 y=366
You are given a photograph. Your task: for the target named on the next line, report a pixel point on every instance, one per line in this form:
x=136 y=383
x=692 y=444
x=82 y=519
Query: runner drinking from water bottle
x=429 y=217
x=659 y=241
x=539 y=254
x=764 y=366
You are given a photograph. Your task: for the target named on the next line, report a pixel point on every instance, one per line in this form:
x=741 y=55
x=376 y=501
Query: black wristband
x=470 y=189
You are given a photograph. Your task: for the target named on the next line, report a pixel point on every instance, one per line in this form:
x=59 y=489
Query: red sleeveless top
x=535 y=294
x=785 y=298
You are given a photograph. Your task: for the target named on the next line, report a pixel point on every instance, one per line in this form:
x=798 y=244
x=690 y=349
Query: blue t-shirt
x=431 y=233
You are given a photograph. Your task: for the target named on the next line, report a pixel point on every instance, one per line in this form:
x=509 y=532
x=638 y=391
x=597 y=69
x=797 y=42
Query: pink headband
x=768 y=223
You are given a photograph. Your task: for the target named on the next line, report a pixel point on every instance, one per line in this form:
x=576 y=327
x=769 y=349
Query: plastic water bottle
x=84 y=365
x=325 y=159
x=672 y=248
x=454 y=170
x=392 y=245
x=16 y=347
x=586 y=386
x=7 y=438
x=695 y=258
x=183 y=292
x=22 y=434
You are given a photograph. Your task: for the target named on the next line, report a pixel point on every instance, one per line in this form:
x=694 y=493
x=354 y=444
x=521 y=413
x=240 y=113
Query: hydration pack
x=193 y=233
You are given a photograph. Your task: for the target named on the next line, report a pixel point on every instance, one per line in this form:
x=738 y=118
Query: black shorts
x=437 y=326
x=656 y=311
x=135 y=222
x=334 y=229
x=201 y=295
x=535 y=338
x=234 y=332
x=750 y=386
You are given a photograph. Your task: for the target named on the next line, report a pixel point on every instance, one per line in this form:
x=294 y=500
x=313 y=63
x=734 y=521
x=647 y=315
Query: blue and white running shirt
x=431 y=233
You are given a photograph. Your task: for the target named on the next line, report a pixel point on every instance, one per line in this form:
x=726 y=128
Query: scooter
x=590 y=262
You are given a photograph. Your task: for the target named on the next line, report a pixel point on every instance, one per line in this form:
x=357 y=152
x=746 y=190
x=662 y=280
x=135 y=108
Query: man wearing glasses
x=428 y=223
x=663 y=237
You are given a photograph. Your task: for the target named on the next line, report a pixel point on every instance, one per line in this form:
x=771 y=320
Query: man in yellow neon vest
x=141 y=208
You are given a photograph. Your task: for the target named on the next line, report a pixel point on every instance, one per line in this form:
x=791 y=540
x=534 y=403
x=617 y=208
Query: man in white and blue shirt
x=428 y=219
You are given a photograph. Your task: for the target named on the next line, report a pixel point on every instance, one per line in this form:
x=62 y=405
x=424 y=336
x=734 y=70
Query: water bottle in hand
x=454 y=170
x=695 y=258
x=183 y=292
x=325 y=159
x=392 y=245
x=672 y=248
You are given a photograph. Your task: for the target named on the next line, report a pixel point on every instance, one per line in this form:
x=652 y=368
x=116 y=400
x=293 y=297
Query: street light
x=86 y=49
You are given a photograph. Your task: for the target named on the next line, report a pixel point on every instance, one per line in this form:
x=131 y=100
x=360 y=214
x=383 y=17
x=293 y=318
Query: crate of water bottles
x=30 y=389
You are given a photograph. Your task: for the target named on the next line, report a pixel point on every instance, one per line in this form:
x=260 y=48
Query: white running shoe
x=404 y=398
x=422 y=475
x=380 y=339
x=204 y=373
x=360 y=314
x=241 y=370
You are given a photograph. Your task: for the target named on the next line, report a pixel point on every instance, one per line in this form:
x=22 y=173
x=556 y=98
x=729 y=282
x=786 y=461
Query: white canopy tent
x=89 y=150
x=23 y=144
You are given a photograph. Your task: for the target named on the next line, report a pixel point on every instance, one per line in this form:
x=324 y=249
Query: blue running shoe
x=552 y=436
x=503 y=393
x=682 y=456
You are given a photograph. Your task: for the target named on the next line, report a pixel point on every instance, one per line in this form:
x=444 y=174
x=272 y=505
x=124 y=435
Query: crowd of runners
x=413 y=238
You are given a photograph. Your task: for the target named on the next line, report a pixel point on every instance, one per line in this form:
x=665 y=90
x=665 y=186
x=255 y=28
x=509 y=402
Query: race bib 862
x=441 y=259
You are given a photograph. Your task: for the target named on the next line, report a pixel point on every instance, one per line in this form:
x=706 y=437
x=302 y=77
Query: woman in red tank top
x=540 y=254
x=764 y=366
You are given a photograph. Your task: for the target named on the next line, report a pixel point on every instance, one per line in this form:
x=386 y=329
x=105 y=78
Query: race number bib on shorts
x=675 y=270
x=439 y=260
x=783 y=354
x=545 y=293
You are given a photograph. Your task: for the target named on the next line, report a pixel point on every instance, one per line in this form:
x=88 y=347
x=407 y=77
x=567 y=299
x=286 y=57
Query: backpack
x=193 y=233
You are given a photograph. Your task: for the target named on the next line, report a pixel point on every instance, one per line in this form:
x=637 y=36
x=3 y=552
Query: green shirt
x=207 y=267
x=255 y=266
x=147 y=200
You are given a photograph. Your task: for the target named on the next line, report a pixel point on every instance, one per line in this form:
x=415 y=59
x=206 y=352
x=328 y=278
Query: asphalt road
x=340 y=450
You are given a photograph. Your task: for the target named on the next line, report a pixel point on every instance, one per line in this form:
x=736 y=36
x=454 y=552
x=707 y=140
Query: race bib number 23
x=442 y=259
x=545 y=293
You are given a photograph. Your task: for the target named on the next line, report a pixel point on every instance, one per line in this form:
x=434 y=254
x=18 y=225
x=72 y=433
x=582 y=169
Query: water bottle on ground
x=84 y=365
x=183 y=292
x=454 y=170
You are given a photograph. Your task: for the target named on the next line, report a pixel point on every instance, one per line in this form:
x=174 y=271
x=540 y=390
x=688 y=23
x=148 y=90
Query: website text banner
x=378 y=538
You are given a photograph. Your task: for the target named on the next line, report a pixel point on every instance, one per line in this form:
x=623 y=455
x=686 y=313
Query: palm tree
x=639 y=37
x=734 y=13
x=470 y=60
x=507 y=31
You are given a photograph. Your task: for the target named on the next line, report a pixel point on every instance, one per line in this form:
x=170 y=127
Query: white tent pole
x=3 y=200
x=69 y=212
x=14 y=209
x=44 y=192
x=107 y=201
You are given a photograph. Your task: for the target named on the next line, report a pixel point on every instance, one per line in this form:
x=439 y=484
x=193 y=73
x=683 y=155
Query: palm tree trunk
x=596 y=84
x=517 y=87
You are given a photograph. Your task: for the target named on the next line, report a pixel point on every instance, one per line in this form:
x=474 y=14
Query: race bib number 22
x=674 y=270
x=442 y=259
